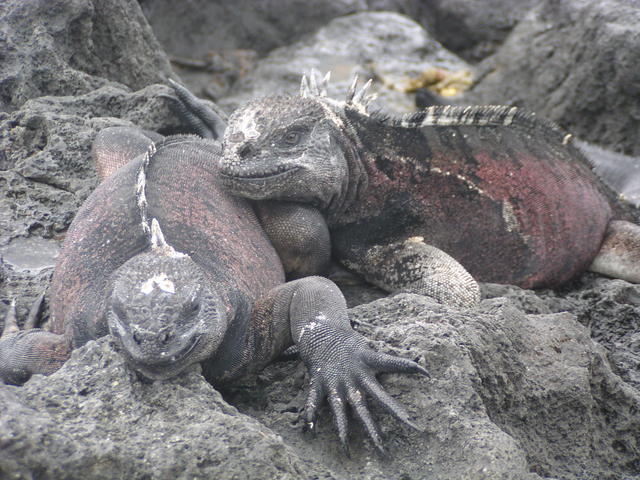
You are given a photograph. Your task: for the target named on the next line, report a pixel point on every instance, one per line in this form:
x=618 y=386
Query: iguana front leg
x=312 y=313
x=299 y=234
x=413 y=266
x=26 y=352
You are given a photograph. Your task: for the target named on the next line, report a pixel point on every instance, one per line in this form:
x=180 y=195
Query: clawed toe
x=202 y=119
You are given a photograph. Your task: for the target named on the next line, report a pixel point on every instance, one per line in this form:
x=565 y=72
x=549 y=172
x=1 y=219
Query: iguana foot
x=197 y=115
x=413 y=266
x=342 y=367
x=343 y=371
x=619 y=255
x=30 y=351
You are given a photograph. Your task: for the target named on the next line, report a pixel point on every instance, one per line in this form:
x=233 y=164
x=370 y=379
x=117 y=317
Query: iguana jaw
x=280 y=172
x=156 y=367
x=255 y=184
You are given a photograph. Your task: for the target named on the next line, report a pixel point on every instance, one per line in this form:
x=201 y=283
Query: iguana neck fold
x=346 y=138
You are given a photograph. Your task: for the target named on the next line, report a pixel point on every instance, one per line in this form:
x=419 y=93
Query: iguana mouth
x=167 y=366
x=281 y=171
x=178 y=356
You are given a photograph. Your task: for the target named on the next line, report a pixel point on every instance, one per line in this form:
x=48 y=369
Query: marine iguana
x=207 y=287
x=505 y=193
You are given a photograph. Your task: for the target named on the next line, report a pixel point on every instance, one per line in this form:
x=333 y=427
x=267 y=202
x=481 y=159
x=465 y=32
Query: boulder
x=574 y=62
x=389 y=47
x=68 y=47
x=195 y=28
x=511 y=395
x=472 y=29
x=95 y=419
x=70 y=68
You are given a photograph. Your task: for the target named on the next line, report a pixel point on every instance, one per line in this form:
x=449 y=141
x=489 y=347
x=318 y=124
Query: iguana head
x=163 y=313
x=288 y=148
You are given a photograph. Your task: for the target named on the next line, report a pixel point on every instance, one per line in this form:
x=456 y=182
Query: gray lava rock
x=611 y=311
x=386 y=46
x=510 y=396
x=214 y=43
x=609 y=308
x=193 y=29
x=94 y=419
x=68 y=68
x=574 y=62
x=472 y=29
x=66 y=47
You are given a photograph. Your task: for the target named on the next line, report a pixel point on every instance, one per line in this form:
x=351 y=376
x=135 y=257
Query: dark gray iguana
x=209 y=290
x=506 y=194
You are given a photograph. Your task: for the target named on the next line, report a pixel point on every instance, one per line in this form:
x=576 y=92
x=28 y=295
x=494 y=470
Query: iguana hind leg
x=26 y=352
x=619 y=255
x=412 y=266
x=197 y=114
x=114 y=147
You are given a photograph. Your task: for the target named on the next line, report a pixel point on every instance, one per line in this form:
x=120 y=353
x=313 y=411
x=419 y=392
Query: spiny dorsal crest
x=159 y=244
x=359 y=99
x=153 y=231
x=311 y=87
x=141 y=184
x=481 y=115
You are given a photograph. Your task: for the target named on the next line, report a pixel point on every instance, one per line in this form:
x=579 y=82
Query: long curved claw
x=339 y=410
x=348 y=378
x=202 y=119
x=358 y=403
x=33 y=320
x=314 y=398
x=374 y=389
x=382 y=362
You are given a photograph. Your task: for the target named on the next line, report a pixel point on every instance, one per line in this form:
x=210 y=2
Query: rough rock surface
x=63 y=79
x=519 y=388
x=195 y=28
x=66 y=47
x=574 y=62
x=389 y=47
x=472 y=29
x=95 y=419
x=511 y=395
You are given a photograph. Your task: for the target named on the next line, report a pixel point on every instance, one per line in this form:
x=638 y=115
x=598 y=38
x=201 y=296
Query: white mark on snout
x=160 y=281
x=248 y=127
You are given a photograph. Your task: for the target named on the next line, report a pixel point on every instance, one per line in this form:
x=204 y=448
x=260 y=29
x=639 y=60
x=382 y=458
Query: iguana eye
x=291 y=138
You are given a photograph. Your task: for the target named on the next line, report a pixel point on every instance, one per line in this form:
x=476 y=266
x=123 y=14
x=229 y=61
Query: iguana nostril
x=137 y=337
x=245 y=150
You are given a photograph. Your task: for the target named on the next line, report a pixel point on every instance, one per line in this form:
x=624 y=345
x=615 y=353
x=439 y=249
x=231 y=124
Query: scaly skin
x=180 y=272
x=507 y=195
